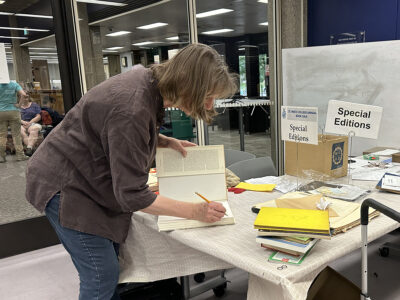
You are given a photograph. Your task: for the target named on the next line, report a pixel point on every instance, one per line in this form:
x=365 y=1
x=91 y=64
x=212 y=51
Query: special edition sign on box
x=299 y=124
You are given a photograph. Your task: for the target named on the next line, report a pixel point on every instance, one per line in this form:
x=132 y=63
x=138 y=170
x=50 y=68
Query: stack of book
x=291 y=233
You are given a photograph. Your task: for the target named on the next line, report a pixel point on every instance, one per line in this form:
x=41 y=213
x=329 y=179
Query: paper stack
x=291 y=233
x=276 y=221
x=294 y=245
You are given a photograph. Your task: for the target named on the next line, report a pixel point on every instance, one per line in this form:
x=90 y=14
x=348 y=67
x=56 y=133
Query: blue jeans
x=95 y=258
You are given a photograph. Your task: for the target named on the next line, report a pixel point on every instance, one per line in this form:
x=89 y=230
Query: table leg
x=206 y=136
x=241 y=129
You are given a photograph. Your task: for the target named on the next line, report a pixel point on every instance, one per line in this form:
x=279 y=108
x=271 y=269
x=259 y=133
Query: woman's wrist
x=163 y=141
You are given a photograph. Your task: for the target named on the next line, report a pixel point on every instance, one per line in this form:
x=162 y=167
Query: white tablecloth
x=149 y=255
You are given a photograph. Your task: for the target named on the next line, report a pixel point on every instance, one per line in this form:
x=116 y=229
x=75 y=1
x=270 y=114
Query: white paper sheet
x=373 y=174
x=283 y=184
x=386 y=152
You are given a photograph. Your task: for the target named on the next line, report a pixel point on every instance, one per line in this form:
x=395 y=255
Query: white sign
x=299 y=124
x=344 y=117
x=4 y=77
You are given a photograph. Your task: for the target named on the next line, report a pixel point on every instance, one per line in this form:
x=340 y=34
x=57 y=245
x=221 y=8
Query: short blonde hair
x=193 y=74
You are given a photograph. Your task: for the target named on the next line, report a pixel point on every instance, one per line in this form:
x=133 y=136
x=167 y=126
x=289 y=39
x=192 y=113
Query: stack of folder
x=276 y=221
x=289 y=245
x=291 y=231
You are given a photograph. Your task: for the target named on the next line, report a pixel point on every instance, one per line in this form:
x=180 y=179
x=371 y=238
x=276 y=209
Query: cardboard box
x=328 y=157
x=330 y=285
x=396 y=157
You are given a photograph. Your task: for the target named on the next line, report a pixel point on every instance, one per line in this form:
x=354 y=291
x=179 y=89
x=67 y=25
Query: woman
x=30 y=127
x=90 y=173
x=10 y=117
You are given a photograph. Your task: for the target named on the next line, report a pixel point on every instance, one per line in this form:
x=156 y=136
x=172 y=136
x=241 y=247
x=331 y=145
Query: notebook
x=283 y=245
x=202 y=171
x=389 y=183
x=280 y=257
x=290 y=221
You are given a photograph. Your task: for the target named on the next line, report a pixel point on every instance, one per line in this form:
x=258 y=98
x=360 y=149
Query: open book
x=202 y=171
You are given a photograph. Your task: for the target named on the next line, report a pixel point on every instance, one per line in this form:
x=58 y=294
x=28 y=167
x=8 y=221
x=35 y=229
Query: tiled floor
x=13 y=205
x=258 y=143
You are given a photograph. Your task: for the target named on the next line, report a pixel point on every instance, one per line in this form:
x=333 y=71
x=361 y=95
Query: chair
x=253 y=168
x=233 y=156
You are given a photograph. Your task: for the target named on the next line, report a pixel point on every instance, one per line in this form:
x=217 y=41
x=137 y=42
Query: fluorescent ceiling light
x=22 y=29
x=114 y=48
x=241 y=49
x=118 y=33
x=110 y=51
x=35 y=48
x=173 y=38
x=263 y=1
x=102 y=2
x=151 y=26
x=213 y=12
x=264 y=24
x=2 y=1
x=217 y=31
x=13 y=37
x=143 y=43
x=34 y=16
x=5 y=13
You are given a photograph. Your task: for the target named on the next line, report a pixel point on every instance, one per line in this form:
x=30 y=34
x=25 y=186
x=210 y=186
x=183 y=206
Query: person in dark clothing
x=56 y=119
x=90 y=173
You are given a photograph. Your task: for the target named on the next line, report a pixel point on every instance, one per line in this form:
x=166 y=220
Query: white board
x=4 y=77
x=366 y=73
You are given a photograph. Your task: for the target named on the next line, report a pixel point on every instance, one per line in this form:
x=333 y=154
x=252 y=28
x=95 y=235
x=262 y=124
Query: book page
x=183 y=188
x=167 y=219
x=199 y=160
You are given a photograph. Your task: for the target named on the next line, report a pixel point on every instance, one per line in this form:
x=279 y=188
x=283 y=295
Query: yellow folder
x=256 y=187
x=289 y=218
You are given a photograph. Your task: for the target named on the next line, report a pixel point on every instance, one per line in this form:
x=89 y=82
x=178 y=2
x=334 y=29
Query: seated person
x=55 y=117
x=30 y=118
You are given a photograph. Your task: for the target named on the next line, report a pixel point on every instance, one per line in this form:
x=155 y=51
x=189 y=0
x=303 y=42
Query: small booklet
x=283 y=245
x=389 y=183
x=280 y=257
x=201 y=171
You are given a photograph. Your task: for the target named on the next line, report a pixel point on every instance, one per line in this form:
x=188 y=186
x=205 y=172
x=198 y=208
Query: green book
x=285 y=258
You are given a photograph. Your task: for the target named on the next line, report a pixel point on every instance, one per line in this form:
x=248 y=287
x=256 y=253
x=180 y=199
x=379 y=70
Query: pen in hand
x=205 y=199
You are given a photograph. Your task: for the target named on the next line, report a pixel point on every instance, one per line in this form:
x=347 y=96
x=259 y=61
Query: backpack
x=46 y=118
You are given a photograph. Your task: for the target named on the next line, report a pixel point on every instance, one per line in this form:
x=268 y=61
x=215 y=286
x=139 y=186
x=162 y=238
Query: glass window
x=114 y=41
x=33 y=92
x=238 y=30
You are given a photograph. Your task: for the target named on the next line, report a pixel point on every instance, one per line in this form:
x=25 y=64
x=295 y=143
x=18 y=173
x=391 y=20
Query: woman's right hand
x=208 y=212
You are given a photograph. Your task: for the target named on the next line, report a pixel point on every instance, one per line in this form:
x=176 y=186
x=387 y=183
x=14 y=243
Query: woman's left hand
x=179 y=145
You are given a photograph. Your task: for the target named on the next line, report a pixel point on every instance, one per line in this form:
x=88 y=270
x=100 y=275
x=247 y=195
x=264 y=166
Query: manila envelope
x=306 y=202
